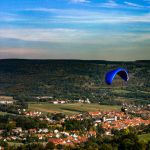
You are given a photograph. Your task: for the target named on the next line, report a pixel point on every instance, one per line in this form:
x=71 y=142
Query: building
x=6 y=100
x=109 y=119
x=95 y=113
x=58 y=102
x=1 y=148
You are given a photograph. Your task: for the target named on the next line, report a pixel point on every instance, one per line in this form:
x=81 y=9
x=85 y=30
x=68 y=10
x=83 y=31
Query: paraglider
x=123 y=73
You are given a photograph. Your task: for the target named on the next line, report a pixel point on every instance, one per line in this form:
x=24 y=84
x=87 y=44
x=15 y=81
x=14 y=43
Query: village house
x=45 y=130
x=79 y=101
x=123 y=124
x=95 y=114
x=1 y=131
x=58 y=102
x=31 y=131
x=70 y=140
x=33 y=114
x=40 y=136
x=82 y=101
x=6 y=100
x=17 y=130
x=1 y=148
x=104 y=119
x=108 y=120
x=44 y=97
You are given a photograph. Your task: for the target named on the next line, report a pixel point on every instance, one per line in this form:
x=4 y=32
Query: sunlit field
x=71 y=108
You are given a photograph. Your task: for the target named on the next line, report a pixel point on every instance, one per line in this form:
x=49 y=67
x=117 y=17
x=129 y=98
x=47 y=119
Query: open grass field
x=71 y=108
x=144 y=137
x=2 y=113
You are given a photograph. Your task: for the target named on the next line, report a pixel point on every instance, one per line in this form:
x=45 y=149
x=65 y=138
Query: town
x=57 y=129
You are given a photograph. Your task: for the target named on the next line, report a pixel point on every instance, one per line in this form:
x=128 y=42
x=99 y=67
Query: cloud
x=100 y=18
x=74 y=16
x=68 y=36
x=133 y=4
x=73 y=44
x=57 y=35
x=79 y=1
x=118 y=51
x=50 y=10
x=110 y=3
x=113 y=4
x=8 y=17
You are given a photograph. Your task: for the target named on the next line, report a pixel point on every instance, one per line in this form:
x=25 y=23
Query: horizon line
x=75 y=59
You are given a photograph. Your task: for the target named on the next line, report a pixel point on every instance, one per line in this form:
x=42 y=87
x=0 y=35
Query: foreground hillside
x=74 y=79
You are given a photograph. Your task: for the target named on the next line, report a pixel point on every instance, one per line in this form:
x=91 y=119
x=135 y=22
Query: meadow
x=72 y=108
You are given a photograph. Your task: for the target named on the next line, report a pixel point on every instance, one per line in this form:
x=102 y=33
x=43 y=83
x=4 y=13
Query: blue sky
x=75 y=29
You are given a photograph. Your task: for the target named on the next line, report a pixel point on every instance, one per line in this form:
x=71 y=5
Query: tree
x=126 y=144
x=106 y=147
x=11 y=125
x=50 y=146
x=148 y=146
x=140 y=146
x=115 y=131
x=100 y=129
x=91 y=146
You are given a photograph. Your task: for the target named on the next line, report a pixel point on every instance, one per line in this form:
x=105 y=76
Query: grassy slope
x=73 y=79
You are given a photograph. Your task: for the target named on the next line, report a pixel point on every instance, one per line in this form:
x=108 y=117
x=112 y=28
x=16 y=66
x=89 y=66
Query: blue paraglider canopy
x=123 y=73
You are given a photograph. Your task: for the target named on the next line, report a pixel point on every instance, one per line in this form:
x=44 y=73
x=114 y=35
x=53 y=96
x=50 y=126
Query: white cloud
x=133 y=4
x=91 y=17
x=74 y=16
x=79 y=1
x=8 y=17
x=74 y=36
x=99 y=18
x=110 y=3
x=57 y=35
x=50 y=10
x=115 y=4
x=73 y=43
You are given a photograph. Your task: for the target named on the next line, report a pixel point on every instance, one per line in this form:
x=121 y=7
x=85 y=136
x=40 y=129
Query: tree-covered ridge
x=73 y=79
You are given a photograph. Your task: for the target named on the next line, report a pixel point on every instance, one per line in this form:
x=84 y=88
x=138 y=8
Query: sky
x=75 y=29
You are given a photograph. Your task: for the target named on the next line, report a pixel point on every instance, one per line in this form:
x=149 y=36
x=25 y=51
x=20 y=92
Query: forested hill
x=74 y=79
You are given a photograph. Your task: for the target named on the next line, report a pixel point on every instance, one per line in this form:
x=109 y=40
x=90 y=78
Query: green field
x=144 y=137
x=119 y=91
x=2 y=113
x=71 y=108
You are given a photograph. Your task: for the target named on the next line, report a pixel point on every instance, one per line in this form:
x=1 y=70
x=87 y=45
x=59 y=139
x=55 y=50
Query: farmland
x=70 y=108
